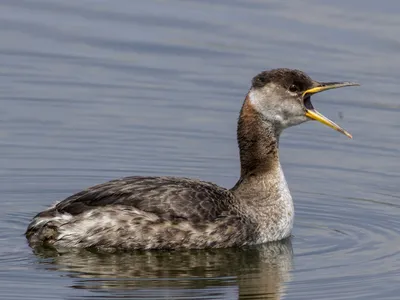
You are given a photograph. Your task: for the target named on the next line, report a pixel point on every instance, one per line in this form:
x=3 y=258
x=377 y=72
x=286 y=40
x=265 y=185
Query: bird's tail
x=44 y=228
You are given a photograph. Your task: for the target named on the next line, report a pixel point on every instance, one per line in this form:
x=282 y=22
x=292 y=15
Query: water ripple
x=94 y=92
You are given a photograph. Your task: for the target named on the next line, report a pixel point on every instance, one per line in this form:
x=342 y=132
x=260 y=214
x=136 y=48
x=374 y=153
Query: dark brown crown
x=283 y=77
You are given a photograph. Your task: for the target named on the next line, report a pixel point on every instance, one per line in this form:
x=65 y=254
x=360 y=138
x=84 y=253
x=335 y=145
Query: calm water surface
x=95 y=90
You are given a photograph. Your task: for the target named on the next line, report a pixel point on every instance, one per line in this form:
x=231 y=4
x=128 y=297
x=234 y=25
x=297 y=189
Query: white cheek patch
x=260 y=103
x=255 y=99
x=271 y=103
x=257 y=96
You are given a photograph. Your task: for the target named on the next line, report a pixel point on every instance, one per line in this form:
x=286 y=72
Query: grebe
x=171 y=213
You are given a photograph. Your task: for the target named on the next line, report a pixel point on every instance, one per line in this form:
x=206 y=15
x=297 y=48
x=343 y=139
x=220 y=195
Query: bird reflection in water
x=254 y=272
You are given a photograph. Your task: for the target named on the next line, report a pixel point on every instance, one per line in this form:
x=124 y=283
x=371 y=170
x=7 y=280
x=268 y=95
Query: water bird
x=170 y=213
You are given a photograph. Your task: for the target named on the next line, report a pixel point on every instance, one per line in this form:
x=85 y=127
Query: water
x=95 y=90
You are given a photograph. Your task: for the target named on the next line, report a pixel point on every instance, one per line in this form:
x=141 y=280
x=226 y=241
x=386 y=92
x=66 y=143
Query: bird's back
x=153 y=209
x=168 y=197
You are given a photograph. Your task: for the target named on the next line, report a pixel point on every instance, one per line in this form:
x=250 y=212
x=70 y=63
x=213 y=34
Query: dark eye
x=294 y=88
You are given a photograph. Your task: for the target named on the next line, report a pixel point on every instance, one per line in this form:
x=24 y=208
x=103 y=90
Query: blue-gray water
x=95 y=90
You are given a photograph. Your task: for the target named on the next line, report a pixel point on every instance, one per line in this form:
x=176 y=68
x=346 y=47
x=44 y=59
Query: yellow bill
x=315 y=115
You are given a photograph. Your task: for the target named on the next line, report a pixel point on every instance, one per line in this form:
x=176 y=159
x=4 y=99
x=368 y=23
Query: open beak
x=315 y=115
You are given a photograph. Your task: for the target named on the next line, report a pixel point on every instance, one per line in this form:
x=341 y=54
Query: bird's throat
x=258 y=143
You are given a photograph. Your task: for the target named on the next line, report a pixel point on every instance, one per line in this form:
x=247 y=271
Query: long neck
x=262 y=190
x=258 y=143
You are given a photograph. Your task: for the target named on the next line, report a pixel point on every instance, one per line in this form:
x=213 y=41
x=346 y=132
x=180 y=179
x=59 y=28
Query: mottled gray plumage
x=168 y=213
x=142 y=212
